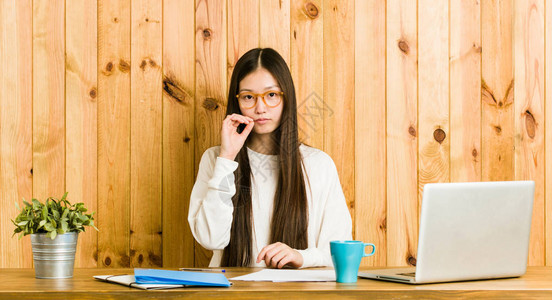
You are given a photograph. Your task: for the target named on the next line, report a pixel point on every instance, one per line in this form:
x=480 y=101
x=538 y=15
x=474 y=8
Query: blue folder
x=155 y=276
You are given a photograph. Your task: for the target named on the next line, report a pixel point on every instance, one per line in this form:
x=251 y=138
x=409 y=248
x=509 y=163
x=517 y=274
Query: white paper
x=276 y=275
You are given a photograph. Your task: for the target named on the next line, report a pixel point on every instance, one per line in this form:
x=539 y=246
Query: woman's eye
x=248 y=97
x=271 y=95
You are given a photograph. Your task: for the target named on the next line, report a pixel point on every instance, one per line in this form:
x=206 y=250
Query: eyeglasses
x=270 y=98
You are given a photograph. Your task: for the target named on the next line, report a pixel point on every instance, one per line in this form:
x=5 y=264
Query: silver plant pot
x=54 y=258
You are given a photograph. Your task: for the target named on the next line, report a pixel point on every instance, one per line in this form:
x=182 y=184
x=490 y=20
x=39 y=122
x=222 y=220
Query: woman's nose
x=260 y=107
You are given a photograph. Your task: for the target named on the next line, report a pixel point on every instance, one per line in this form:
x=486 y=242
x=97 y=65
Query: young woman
x=261 y=198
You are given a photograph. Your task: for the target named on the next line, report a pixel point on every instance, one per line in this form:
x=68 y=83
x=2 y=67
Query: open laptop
x=469 y=231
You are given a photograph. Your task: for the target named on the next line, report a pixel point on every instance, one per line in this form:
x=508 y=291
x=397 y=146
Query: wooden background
x=115 y=101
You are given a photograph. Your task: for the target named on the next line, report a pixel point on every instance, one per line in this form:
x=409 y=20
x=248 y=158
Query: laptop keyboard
x=412 y=274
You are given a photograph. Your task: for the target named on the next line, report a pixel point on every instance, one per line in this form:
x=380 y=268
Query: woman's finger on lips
x=248 y=128
x=229 y=118
x=236 y=123
x=240 y=118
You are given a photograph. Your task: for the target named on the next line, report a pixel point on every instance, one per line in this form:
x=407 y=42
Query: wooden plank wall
x=115 y=101
x=401 y=226
x=81 y=114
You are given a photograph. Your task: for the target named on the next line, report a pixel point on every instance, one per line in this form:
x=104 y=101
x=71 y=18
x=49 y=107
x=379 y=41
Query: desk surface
x=21 y=284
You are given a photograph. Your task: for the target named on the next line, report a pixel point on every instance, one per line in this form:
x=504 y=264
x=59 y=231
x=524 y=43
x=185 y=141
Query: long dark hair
x=290 y=216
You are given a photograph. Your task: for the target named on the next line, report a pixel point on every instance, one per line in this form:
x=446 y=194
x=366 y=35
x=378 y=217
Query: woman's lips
x=261 y=121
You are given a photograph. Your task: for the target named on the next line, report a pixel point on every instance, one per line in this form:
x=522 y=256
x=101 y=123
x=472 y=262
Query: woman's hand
x=278 y=255
x=231 y=140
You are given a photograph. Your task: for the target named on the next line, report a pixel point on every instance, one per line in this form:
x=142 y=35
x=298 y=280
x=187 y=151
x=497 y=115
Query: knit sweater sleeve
x=211 y=208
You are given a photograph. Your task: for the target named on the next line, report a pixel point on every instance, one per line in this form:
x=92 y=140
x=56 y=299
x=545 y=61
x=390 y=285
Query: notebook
x=469 y=231
x=156 y=276
x=162 y=279
x=130 y=281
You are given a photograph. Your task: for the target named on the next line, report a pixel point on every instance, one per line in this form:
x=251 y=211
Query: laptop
x=469 y=231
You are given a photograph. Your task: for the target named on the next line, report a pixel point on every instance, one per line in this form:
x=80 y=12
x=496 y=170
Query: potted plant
x=54 y=227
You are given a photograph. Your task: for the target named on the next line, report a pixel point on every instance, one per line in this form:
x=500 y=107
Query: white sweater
x=211 y=207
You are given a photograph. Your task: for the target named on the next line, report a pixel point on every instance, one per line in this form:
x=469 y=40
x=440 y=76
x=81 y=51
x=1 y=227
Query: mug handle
x=373 y=249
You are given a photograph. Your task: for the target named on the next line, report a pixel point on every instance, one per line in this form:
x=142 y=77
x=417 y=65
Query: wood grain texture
x=339 y=91
x=370 y=129
x=81 y=90
x=465 y=90
x=548 y=131
x=274 y=26
x=113 y=216
x=146 y=225
x=210 y=86
x=16 y=92
x=178 y=131
x=307 y=69
x=243 y=30
x=433 y=94
x=402 y=133
x=388 y=88
x=529 y=113
x=20 y=283
x=48 y=74
x=497 y=91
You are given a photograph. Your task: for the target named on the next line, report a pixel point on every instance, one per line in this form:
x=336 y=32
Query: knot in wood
x=210 y=104
x=412 y=131
x=93 y=93
x=403 y=46
x=311 y=10
x=530 y=124
x=124 y=66
x=439 y=135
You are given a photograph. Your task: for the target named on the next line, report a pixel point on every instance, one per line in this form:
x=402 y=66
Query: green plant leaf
x=41 y=223
x=45 y=211
x=64 y=226
x=36 y=204
x=65 y=213
x=56 y=214
x=93 y=226
x=53 y=217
